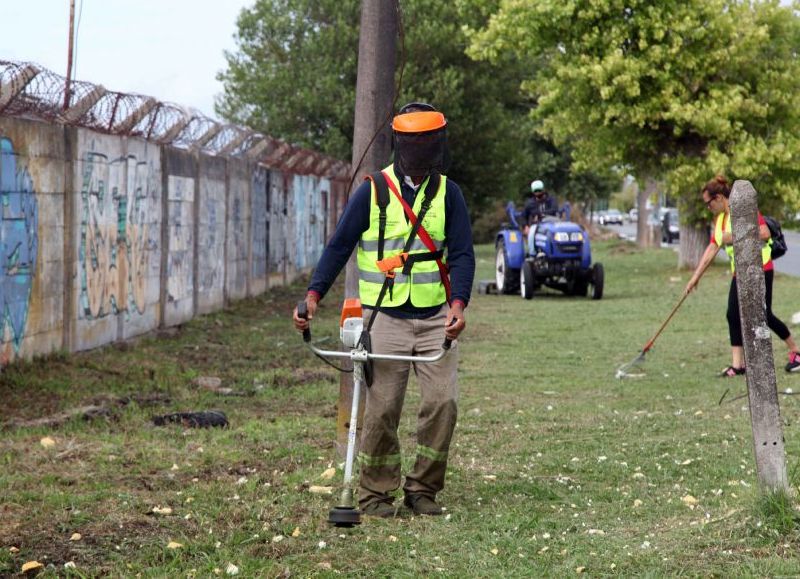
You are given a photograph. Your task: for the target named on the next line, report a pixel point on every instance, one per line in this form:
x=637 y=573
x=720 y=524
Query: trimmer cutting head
x=624 y=371
x=344 y=516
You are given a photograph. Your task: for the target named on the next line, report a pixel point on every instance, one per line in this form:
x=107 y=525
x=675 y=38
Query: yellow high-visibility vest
x=424 y=283
x=723 y=225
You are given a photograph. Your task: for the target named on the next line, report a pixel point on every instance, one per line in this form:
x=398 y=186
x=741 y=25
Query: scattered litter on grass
x=204 y=419
x=689 y=501
x=174 y=545
x=32 y=567
x=13 y=549
x=494 y=551
x=76 y=537
x=322 y=545
x=159 y=510
x=328 y=474
x=596 y=532
x=296 y=532
x=637 y=503
x=319 y=490
x=47 y=442
x=392 y=538
x=278 y=538
x=70 y=565
x=231 y=569
x=580 y=570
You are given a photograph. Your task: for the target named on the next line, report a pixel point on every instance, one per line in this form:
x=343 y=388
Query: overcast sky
x=168 y=49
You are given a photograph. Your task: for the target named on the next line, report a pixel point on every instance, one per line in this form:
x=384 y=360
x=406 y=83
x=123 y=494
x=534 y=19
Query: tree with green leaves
x=293 y=76
x=673 y=91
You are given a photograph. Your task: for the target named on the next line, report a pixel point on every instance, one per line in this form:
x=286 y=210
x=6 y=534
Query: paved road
x=788 y=264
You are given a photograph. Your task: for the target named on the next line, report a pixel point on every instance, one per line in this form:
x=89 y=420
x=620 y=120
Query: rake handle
x=664 y=325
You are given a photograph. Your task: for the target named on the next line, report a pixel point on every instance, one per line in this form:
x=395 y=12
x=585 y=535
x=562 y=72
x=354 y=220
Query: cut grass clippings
x=556 y=468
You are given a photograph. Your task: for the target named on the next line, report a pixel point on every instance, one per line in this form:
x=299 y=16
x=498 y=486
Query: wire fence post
x=765 y=414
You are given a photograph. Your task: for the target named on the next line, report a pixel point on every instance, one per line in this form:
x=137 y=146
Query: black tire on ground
x=506 y=278
x=598 y=279
x=526 y=281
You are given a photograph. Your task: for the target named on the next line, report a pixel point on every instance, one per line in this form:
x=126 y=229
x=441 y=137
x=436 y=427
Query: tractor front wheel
x=526 y=281
x=598 y=279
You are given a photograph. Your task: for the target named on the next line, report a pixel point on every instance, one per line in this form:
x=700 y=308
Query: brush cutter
x=345 y=513
x=624 y=370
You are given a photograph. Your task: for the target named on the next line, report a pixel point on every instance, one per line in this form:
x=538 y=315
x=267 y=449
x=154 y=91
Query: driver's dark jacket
x=535 y=209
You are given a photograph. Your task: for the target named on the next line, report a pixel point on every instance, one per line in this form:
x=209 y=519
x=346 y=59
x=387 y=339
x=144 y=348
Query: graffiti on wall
x=19 y=245
x=260 y=223
x=180 y=266
x=114 y=235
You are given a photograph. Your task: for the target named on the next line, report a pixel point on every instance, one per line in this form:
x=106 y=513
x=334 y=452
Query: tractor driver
x=539 y=205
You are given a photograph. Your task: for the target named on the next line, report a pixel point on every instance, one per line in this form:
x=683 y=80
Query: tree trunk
x=377 y=57
x=646 y=234
x=693 y=242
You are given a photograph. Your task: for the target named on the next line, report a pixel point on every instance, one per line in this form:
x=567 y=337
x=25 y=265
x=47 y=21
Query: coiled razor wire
x=29 y=90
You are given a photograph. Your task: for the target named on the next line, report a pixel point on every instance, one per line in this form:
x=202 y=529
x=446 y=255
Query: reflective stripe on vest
x=766 y=250
x=425 y=287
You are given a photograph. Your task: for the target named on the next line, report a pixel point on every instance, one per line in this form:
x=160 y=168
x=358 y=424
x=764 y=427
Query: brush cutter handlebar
x=360 y=354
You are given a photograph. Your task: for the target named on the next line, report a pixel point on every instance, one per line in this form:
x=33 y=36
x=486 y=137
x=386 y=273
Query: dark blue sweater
x=355 y=221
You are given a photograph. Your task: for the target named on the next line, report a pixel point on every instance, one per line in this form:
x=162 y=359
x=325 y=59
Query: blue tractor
x=561 y=258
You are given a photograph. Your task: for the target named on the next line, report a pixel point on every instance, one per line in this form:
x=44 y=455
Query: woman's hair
x=718 y=186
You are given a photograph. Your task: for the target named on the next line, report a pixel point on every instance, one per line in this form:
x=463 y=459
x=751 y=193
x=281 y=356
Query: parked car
x=611 y=216
x=598 y=217
x=670 y=226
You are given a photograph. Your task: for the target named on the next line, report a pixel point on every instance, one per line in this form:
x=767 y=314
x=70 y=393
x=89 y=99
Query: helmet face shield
x=421 y=154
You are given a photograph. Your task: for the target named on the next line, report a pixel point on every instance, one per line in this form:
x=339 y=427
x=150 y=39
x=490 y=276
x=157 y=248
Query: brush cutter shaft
x=361 y=355
x=358 y=377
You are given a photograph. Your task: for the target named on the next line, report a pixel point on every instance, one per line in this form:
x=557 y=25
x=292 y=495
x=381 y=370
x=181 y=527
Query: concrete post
x=765 y=414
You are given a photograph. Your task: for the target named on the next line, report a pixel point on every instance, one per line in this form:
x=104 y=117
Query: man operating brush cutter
x=415 y=268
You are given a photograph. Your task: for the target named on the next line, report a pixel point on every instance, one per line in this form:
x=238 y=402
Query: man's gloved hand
x=311 y=303
x=453 y=329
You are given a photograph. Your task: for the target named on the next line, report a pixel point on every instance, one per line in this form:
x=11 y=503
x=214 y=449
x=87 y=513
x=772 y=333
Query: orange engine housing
x=350 y=309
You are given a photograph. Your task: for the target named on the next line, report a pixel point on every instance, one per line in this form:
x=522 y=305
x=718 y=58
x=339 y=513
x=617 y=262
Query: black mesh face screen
x=421 y=154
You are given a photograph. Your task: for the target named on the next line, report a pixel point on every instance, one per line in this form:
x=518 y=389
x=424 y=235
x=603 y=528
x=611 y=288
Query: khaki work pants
x=379 y=456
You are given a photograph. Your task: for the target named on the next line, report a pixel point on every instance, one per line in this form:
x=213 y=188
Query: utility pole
x=762 y=386
x=377 y=58
x=67 y=87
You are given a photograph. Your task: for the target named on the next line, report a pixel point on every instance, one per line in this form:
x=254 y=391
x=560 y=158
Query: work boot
x=382 y=509
x=794 y=362
x=422 y=505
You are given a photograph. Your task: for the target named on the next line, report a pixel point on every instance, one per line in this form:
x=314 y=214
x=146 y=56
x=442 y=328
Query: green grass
x=556 y=465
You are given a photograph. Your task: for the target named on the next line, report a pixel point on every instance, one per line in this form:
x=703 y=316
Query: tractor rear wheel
x=598 y=279
x=505 y=277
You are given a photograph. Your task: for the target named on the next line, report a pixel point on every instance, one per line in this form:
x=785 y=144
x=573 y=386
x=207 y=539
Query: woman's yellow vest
x=724 y=226
x=424 y=284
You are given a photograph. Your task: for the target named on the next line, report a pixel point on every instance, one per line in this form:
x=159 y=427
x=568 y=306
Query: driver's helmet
x=537 y=186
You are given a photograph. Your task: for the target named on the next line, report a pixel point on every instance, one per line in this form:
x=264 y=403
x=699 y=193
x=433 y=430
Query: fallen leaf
x=174 y=545
x=494 y=551
x=76 y=537
x=317 y=490
x=13 y=549
x=328 y=474
x=231 y=569
x=32 y=567
x=689 y=500
x=47 y=442
x=637 y=503
x=580 y=570
x=392 y=538
x=296 y=532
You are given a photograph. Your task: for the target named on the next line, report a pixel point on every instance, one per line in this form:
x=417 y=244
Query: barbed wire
x=29 y=90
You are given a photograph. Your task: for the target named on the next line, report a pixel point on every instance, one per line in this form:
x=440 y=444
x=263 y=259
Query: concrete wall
x=103 y=238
